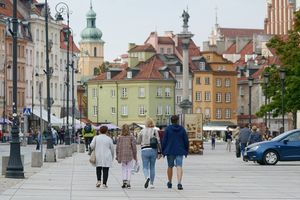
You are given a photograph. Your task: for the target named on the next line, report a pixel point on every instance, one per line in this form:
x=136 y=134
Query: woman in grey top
x=149 y=154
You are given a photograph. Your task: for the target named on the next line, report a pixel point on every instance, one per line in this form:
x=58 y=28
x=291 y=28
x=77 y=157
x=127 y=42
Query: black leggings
x=105 y=173
x=88 y=141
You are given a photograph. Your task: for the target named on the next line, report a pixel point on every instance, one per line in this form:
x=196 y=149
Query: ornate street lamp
x=266 y=81
x=15 y=167
x=250 y=84
x=282 y=73
x=62 y=8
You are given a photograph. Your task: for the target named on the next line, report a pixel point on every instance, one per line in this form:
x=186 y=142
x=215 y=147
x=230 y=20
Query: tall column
x=185 y=37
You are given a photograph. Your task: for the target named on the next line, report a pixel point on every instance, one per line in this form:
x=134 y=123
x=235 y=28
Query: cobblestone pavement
x=216 y=175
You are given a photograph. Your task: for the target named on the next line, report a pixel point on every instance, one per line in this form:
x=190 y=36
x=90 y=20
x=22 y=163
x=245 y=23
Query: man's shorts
x=174 y=161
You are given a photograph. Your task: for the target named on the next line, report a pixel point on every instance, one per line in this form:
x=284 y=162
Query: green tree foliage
x=288 y=50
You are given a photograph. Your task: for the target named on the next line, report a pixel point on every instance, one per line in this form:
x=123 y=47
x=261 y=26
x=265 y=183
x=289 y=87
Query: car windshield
x=283 y=135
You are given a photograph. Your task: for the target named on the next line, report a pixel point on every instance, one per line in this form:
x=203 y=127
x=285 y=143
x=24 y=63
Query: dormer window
x=178 y=69
x=166 y=75
x=201 y=65
x=129 y=74
x=108 y=75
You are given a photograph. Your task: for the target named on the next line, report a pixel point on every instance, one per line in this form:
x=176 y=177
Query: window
x=198 y=96
x=294 y=137
x=207 y=112
x=55 y=90
x=168 y=92
x=113 y=93
x=95 y=110
x=198 y=110
x=242 y=110
x=178 y=85
x=142 y=110
x=242 y=92
x=227 y=82
x=206 y=80
x=218 y=113
x=37 y=35
x=219 y=97
x=227 y=113
x=168 y=110
x=124 y=110
x=178 y=99
x=141 y=92
x=218 y=82
x=198 y=81
x=124 y=92
x=94 y=92
x=161 y=50
x=159 y=110
x=227 y=97
x=202 y=66
x=178 y=69
x=207 y=96
x=168 y=50
x=113 y=110
x=129 y=74
x=108 y=75
x=190 y=84
x=159 y=92
x=166 y=75
x=95 y=51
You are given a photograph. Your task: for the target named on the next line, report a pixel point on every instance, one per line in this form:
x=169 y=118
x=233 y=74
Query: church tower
x=91 y=47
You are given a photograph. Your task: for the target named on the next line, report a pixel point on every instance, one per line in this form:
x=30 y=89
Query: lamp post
x=266 y=81
x=48 y=76
x=282 y=73
x=4 y=96
x=63 y=8
x=15 y=167
x=250 y=84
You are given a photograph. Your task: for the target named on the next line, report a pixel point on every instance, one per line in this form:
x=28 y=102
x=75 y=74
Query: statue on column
x=185 y=15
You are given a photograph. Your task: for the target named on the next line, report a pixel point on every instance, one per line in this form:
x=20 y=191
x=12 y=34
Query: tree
x=288 y=50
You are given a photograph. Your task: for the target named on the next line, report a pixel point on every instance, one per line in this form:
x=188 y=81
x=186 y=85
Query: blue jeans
x=149 y=159
x=243 y=146
x=175 y=161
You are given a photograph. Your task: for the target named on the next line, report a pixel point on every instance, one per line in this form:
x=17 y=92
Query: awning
x=218 y=126
x=214 y=128
x=109 y=126
x=54 y=120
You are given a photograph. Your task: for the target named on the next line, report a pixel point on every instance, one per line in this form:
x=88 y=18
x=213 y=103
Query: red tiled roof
x=231 y=49
x=7 y=10
x=72 y=43
x=142 y=48
x=148 y=70
x=233 y=32
x=165 y=40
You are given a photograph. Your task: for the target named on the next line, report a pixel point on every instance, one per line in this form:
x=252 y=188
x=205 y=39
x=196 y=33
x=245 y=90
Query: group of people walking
x=174 y=145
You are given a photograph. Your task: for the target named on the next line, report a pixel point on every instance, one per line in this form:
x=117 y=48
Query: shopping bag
x=93 y=158
x=135 y=168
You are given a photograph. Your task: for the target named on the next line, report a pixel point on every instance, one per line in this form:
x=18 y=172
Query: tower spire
x=216 y=9
x=91 y=4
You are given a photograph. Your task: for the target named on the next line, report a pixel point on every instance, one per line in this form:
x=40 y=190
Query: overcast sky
x=131 y=21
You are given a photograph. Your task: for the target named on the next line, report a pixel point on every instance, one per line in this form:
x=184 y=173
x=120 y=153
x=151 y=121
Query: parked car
x=284 y=147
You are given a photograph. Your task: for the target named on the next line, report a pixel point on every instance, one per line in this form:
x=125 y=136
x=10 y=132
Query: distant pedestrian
x=88 y=132
x=175 y=145
x=104 y=151
x=126 y=152
x=228 y=138
x=39 y=140
x=54 y=136
x=243 y=138
x=147 y=138
x=255 y=136
x=213 y=141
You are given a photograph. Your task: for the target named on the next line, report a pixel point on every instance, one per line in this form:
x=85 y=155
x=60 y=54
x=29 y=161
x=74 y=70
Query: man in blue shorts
x=175 y=145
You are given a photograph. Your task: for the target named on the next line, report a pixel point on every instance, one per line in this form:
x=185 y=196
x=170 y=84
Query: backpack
x=153 y=141
x=87 y=129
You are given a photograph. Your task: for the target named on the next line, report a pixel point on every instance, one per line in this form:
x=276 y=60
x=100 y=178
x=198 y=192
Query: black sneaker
x=169 y=184
x=179 y=187
x=124 y=185
x=128 y=186
x=147 y=183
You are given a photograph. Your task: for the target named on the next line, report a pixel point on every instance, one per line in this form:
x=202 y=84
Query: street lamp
x=48 y=73
x=15 y=167
x=250 y=84
x=282 y=73
x=266 y=81
x=63 y=8
x=4 y=97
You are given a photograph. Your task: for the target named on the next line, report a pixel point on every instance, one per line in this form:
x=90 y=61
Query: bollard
x=50 y=155
x=81 y=148
x=61 y=152
x=36 y=159
x=69 y=151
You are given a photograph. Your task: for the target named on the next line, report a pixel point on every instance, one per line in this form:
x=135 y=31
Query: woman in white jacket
x=104 y=150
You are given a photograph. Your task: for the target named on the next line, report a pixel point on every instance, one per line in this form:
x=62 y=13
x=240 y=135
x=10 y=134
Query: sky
x=131 y=21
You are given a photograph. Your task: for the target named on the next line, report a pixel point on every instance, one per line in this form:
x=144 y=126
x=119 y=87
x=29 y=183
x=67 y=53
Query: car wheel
x=271 y=157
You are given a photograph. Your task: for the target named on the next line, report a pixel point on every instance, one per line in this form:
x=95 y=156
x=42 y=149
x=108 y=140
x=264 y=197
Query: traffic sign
x=26 y=111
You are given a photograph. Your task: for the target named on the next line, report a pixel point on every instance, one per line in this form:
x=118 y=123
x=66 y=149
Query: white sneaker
x=152 y=186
